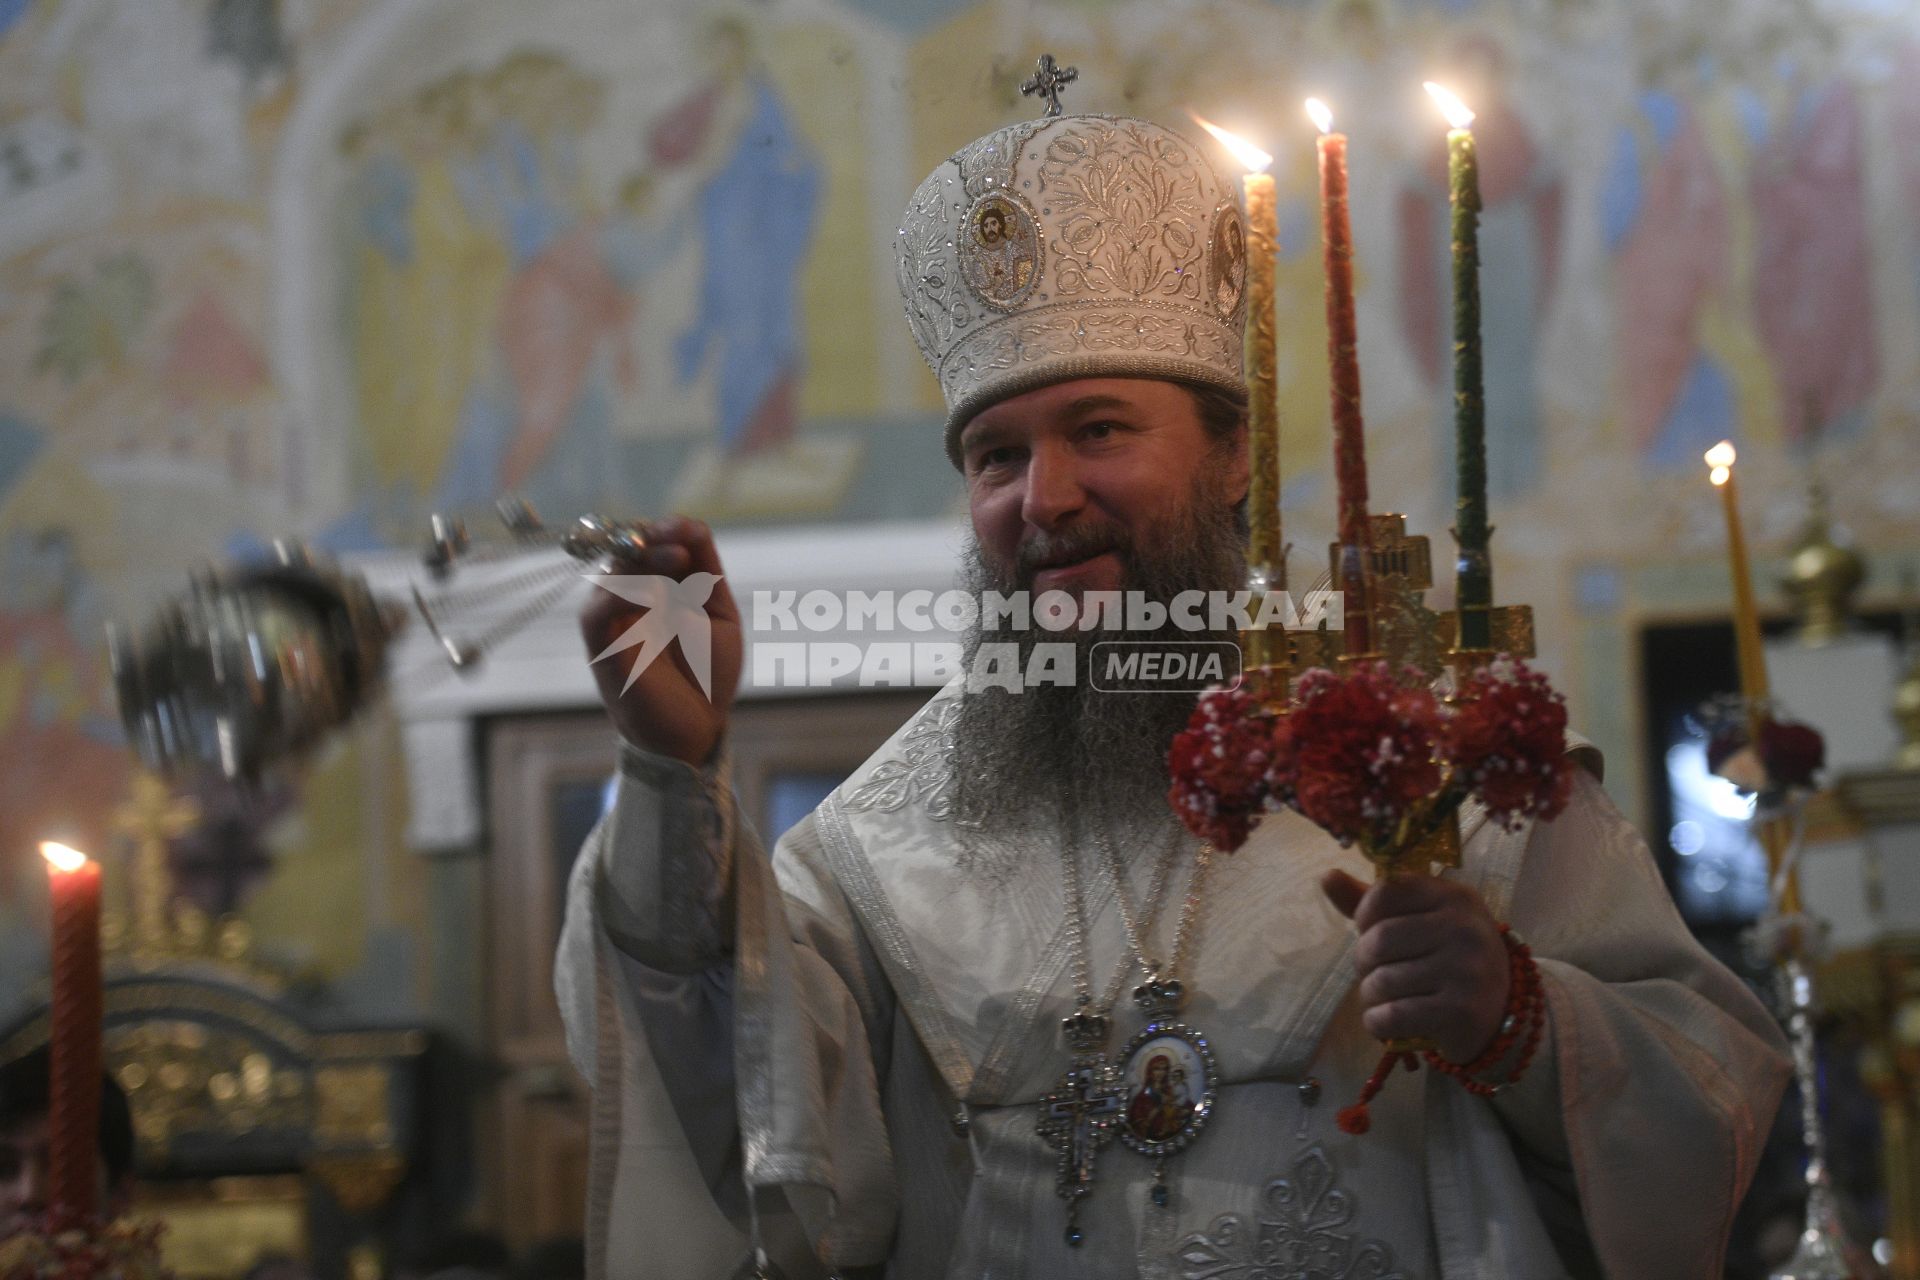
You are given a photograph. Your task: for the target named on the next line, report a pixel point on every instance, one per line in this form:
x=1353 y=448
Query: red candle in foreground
x=1343 y=357
x=73 y=1117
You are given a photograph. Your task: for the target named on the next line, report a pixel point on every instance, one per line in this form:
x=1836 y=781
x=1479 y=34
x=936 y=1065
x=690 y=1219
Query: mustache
x=1068 y=546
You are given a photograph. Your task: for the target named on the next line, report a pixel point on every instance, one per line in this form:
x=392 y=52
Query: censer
x=256 y=665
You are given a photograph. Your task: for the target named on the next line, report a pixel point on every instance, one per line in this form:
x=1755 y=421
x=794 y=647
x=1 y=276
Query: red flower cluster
x=1220 y=764
x=1365 y=751
x=1779 y=760
x=1792 y=753
x=1507 y=739
x=1361 y=754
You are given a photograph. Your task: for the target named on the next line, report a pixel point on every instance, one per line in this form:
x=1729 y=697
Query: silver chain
x=1077 y=929
x=1137 y=926
x=1189 y=911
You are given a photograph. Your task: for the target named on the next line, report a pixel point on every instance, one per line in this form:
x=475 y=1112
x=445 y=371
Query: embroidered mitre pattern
x=1298 y=1234
x=1082 y=246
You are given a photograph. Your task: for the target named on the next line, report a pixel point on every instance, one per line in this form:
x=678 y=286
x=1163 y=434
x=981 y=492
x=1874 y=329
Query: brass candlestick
x=1823 y=1249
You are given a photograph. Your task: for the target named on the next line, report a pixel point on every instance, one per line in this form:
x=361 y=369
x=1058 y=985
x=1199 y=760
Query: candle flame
x=1720 y=458
x=1455 y=110
x=1251 y=157
x=62 y=857
x=1321 y=114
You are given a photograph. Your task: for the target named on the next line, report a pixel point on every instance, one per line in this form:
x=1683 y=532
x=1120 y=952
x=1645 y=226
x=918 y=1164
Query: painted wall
x=322 y=266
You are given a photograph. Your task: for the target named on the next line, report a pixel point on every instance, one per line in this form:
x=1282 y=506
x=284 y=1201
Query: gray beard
x=1055 y=760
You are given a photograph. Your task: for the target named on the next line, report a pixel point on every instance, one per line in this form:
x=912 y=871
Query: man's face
x=1063 y=482
x=991 y=229
x=23 y=1174
x=1105 y=484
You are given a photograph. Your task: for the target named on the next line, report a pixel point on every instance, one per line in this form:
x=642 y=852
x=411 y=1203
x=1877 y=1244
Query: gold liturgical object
x=1821 y=576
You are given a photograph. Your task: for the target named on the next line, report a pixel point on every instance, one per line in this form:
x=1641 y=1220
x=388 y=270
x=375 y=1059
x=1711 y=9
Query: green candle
x=1473 y=581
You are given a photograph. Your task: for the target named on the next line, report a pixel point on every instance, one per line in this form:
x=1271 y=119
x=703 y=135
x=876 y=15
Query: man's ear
x=1239 y=472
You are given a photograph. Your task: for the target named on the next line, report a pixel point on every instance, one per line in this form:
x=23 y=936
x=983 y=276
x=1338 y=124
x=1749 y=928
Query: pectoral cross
x=1047 y=80
x=1077 y=1119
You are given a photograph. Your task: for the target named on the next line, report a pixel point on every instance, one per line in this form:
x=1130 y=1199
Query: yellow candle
x=1746 y=617
x=1263 y=376
x=1749 y=655
x=1262 y=362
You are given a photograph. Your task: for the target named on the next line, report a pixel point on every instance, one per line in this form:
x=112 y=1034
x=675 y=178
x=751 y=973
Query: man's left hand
x=1430 y=960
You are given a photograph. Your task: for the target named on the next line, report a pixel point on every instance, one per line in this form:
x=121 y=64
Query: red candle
x=1343 y=355
x=73 y=1116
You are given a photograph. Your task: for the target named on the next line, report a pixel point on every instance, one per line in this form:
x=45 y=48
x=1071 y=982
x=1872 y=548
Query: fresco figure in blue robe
x=756 y=214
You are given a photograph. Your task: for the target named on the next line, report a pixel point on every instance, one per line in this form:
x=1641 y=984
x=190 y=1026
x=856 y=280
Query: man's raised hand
x=664 y=639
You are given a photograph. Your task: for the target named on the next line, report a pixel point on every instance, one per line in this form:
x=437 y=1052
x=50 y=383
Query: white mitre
x=1075 y=246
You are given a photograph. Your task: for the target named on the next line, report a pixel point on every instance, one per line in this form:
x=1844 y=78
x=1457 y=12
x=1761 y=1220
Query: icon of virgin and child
x=1162 y=1103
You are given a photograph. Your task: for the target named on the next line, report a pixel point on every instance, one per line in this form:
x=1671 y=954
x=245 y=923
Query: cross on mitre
x=1047 y=80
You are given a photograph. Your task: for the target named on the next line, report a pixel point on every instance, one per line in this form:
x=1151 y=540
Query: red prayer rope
x=1525 y=1023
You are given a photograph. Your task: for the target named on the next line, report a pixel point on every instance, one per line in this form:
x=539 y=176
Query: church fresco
x=62 y=763
x=1521 y=225
x=1903 y=121
x=140 y=408
x=561 y=247
x=1751 y=318
x=1813 y=290
x=1665 y=216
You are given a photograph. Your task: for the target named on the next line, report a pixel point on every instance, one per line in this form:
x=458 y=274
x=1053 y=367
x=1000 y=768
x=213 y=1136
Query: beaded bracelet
x=1526 y=1015
x=1526 y=1011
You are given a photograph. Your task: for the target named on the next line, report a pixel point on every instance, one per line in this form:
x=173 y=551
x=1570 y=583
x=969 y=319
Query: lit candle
x=1343 y=354
x=1746 y=616
x=1262 y=364
x=1264 y=653
x=73 y=1114
x=1473 y=583
x=1749 y=656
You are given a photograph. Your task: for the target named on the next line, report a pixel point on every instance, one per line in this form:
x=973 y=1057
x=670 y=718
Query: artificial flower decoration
x=1220 y=763
x=1775 y=761
x=1365 y=752
x=1377 y=761
x=1507 y=740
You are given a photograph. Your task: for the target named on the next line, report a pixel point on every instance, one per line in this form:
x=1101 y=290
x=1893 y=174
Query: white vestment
x=862 y=1028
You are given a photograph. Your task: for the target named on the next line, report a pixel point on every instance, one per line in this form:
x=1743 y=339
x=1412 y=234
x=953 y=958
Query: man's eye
x=1000 y=457
x=1101 y=430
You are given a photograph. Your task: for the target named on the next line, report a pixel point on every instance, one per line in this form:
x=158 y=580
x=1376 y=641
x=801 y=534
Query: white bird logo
x=675 y=610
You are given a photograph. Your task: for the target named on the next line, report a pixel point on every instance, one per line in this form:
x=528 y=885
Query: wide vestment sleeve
x=1654 y=1093
x=725 y=1030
